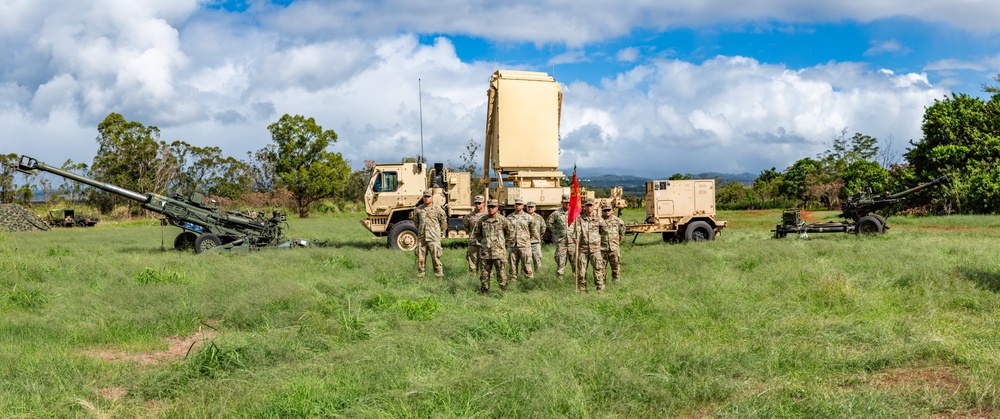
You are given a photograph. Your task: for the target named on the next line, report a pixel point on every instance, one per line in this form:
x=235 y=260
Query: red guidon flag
x=574 y=200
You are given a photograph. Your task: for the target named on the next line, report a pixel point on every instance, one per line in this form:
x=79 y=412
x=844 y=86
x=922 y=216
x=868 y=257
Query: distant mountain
x=630 y=183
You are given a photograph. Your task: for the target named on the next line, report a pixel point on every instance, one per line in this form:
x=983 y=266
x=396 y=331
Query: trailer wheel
x=699 y=231
x=206 y=242
x=403 y=236
x=670 y=237
x=185 y=241
x=870 y=225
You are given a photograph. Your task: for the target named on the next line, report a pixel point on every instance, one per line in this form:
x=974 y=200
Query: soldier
x=536 y=237
x=491 y=233
x=559 y=226
x=519 y=243
x=431 y=223
x=469 y=222
x=586 y=231
x=612 y=234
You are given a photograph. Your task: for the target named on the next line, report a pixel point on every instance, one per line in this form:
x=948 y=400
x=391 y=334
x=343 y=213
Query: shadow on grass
x=986 y=280
x=358 y=244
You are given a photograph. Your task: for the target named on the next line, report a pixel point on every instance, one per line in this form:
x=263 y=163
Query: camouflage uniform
x=431 y=223
x=587 y=232
x=472 y=253
x=519 y=243
x=492 y=233
x=536 y=242
x=612 y=234
x=565 y=246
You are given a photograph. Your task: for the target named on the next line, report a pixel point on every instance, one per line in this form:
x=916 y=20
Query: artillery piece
x=205 y=227
x=866 y=213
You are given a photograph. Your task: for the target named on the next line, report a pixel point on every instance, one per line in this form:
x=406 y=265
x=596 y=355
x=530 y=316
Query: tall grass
x=899 y=325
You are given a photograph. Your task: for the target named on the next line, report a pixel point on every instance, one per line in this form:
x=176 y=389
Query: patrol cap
x=493 y=203
x=518 y=201
x=588 y=202
x=606 y=207
x=565 y=198
x=479 y=199
x=531 y=203
x=427 y=192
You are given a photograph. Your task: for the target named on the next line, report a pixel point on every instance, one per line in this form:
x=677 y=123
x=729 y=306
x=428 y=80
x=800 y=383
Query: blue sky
x=650 y=88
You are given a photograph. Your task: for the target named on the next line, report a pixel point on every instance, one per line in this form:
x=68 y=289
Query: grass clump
x=158 y=276
x=27 y=298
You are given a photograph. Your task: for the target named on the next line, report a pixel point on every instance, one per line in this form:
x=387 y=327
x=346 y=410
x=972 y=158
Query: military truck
x=521 y=160
x=69 y=218
x=682 y=210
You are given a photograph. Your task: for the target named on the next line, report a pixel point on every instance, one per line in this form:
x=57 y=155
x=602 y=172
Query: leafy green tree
x=303 y=164
x=71 y=188
x=8 y=164
x=128 y=156
x=961 y=139
x=679 y=176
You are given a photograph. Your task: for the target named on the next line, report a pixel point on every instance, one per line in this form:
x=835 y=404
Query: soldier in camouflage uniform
x=431 y=223
x=612 y=234
x=519 y=243
x=559 y=226
x=586 y=230
x=536 y=237
x=491 y=232
x=469 y=222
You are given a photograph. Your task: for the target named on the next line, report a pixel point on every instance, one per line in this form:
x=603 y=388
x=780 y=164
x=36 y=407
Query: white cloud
x=213 y=78
x=890 y=46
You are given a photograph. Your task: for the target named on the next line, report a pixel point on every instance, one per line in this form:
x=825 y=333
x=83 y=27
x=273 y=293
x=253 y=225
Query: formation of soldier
x=504 y=246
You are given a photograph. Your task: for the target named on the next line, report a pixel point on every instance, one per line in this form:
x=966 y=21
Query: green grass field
x=101 y=322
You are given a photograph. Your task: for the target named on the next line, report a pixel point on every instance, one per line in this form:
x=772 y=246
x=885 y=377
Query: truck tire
x=403 y=236
x=206 y=242
x=699 y=231
x=185 y=241
x=869 y=224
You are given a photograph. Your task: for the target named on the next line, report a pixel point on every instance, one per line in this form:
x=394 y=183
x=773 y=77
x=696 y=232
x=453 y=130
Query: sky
x=650 y=88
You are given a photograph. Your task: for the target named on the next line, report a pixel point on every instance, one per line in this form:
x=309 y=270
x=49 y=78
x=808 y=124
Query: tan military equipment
x=521 y=149
x=681 y=210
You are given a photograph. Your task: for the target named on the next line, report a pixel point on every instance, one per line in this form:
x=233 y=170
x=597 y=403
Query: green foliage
x=302 y=163
x=156 y=276
x=128 y=156
x=422 y=309
x=27 y=298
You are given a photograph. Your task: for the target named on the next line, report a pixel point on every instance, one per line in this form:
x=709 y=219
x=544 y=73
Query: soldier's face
x=493 y=210
x=428 y=199
x=531 y=210
x=518 y=207
x=589 y=209
x=606 y=213
x=479 y=206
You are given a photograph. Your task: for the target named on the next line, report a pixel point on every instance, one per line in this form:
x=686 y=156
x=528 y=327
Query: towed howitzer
x=867 y=214
x=205 y=227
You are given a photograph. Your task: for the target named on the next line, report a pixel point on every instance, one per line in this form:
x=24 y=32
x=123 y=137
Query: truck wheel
x=403 y=236
x=185 y=241
x=699 y=231
x=870 y=225
x=206 y=242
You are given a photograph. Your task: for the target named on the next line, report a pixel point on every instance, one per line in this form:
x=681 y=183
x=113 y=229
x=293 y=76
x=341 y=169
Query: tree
x=128 y=156
x=8 y=162
x=469 y=158
x=302 y=163
x=71 y=188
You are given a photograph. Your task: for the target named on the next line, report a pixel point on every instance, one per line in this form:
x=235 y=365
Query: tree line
x=961 y=139
x=295 y=171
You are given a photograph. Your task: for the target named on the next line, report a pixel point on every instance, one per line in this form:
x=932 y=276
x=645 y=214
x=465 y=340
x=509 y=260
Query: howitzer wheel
x=870 y=224
x=699 y=231
x=403 y=236
x=185 y=241
x=206 y=242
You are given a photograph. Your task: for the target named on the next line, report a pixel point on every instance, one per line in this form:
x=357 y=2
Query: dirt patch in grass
x=941 y=377
x=177 y=348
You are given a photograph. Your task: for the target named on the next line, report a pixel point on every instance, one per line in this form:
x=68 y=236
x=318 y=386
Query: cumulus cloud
x=210 y=77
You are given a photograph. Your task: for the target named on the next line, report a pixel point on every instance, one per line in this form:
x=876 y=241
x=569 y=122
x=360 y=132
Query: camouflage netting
x=14 y=217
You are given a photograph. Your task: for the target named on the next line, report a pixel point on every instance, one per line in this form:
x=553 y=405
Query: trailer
x=680 y=210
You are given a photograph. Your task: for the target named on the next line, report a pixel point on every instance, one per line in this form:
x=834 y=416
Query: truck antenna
x=420 y=104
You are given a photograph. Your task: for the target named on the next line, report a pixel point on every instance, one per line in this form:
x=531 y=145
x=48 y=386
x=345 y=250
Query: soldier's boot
x=484 y=291
x=420 y=275
x=439 y=274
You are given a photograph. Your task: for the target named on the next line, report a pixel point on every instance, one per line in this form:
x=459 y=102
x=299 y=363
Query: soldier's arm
x=465 y=223
x=621 y=230
x=444 y=220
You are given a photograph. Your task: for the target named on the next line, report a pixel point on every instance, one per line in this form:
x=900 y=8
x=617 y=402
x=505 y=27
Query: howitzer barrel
x=27 y=164
x=917 y=188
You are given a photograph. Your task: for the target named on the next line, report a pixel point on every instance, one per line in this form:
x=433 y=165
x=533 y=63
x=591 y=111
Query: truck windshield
x=386 y=182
